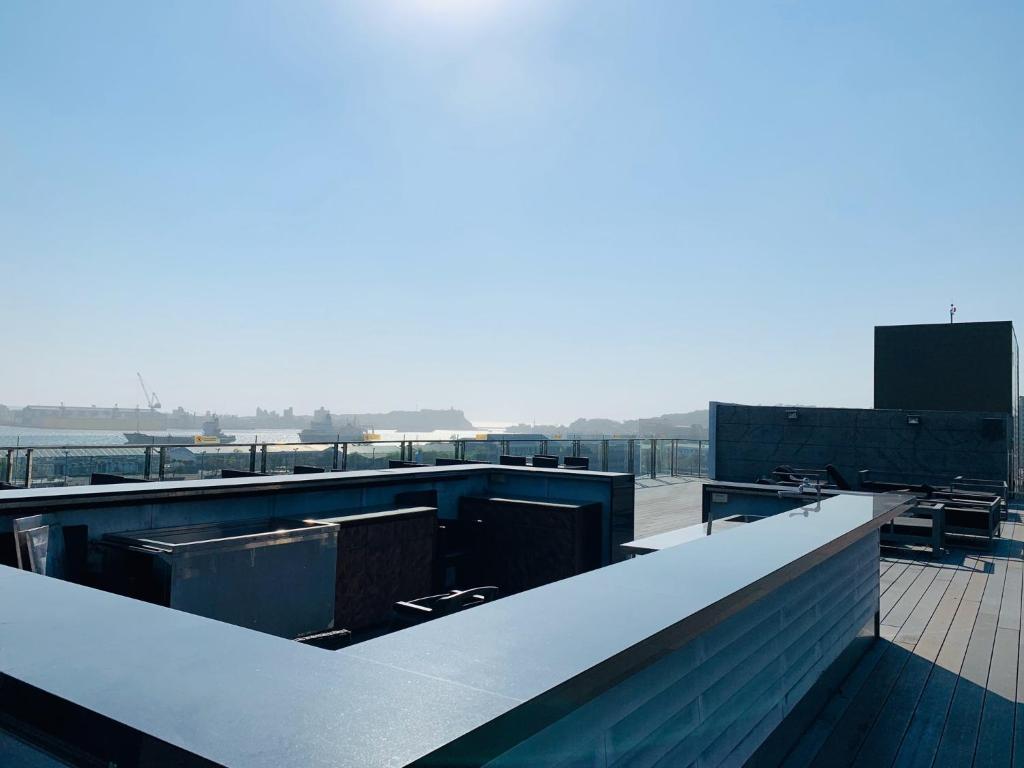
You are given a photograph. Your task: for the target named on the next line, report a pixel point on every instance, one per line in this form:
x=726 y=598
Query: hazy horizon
x=531 y=211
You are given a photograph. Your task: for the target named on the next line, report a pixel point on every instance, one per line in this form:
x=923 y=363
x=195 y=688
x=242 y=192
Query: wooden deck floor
x=944 y=685
x=664 y=504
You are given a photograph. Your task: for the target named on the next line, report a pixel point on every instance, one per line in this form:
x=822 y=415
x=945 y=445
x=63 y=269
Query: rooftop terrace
x=755 y=645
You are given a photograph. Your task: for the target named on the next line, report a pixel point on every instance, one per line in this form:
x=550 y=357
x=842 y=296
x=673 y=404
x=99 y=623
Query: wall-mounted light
x=792 y=415
x=913 y=419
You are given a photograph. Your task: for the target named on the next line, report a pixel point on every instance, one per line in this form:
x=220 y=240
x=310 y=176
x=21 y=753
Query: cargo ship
x=322 y=429
x=212 y=433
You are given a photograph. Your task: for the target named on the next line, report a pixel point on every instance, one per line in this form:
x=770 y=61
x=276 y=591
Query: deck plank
x=960 y=734
x=898 y=588
x=884 y=739
x=922 y=735
x=996 y=733
x=884 y=564
x=912 y=598
x=842 y=745
x=1018 y=722
x=886 y=580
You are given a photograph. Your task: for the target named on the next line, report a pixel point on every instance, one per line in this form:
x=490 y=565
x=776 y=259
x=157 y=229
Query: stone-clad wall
x=749 y=441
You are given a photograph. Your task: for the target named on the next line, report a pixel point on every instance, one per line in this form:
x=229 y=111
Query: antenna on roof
x=952 y=311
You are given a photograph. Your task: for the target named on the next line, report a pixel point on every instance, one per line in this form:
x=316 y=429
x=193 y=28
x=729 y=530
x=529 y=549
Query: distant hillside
x=425 y=420
x=692 y=424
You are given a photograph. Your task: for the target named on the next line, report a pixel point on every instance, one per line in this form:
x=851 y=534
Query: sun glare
x=455 y=11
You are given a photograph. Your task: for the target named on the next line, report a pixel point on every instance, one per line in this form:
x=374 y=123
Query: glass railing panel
x=372 y=455
x=560 y=448
x=689 y=458
x=197 y=462
x=68 y=466
x=20 y=466
x=643 y=457
x=483 y=450
x=618 y=456
x=663 y=452
x=523 y=447
x=591 y=449
x=316 y=455
x=75 y=466
x=429 y=451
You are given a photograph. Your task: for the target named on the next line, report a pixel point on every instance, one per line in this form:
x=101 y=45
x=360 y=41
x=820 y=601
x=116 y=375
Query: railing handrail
x=467 y=440
x=647 y=461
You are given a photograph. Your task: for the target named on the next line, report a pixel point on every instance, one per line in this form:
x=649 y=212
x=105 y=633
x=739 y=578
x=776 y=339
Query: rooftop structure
x=946 y=407
x=599 y=665
x=947 y=367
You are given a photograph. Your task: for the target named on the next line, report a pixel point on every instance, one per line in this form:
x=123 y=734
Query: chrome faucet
x=805 y=487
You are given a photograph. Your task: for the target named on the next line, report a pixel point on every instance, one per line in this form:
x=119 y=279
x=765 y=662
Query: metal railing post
x=161 y=462
x=604 y=455
x=28 y=467
x=544 y=447
x=252 y=457
x=148 y=465
x=334 y=458
x=9 y=476
x=700 y=446
x=672 y=461
x=654 y=458
x=631 y=456
x=344 y=457
x=263 y=458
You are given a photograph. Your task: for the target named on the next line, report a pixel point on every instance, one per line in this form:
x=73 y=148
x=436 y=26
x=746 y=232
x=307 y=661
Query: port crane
x=151 y=400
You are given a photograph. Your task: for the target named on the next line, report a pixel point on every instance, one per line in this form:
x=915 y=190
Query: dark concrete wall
x=748 y=441
x=946 y=367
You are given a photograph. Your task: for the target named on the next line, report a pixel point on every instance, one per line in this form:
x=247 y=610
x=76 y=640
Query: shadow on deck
x=943 y=685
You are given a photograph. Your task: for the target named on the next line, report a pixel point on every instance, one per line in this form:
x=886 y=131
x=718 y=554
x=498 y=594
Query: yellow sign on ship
x=207 y=440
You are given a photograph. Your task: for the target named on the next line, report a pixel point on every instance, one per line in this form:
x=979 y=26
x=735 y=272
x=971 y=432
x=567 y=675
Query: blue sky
x=526 y=209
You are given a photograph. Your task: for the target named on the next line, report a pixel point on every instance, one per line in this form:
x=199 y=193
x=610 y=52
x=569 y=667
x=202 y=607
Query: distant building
x=89 y=417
